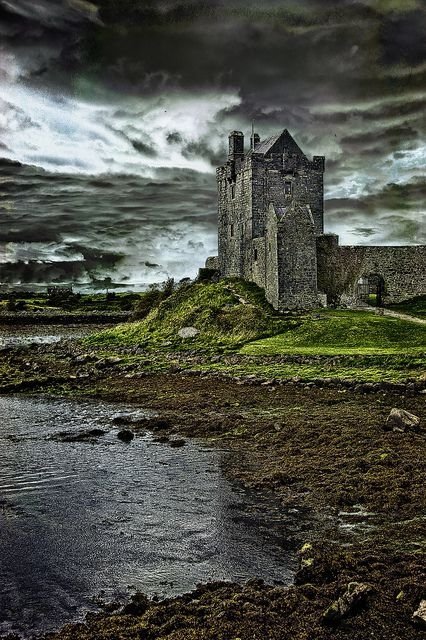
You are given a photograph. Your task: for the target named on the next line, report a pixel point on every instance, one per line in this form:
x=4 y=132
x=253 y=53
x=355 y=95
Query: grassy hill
x=227 y=314
x=233 y=315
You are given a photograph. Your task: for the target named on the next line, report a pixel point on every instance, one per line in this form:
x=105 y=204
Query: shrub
x=156 y=293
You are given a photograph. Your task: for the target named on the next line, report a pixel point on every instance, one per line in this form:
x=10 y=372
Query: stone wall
x=229 y=228
x=212 y=262
x=309 y=190
x=258 y=262
x=403 y=270
x=276 y=252
x=271 y=251
x=234 y=218
x=296 y=258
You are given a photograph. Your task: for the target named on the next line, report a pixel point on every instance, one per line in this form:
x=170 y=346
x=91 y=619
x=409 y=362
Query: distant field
x=344 y=333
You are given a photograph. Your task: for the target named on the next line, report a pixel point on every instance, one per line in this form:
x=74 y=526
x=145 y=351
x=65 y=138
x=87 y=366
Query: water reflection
x=78 y=518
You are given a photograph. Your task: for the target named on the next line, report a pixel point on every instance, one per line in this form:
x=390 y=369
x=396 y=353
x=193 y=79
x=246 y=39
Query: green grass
x=224 y=321
x=354 y=368
x=344 y=333
x=414 y=307
x=232 y=315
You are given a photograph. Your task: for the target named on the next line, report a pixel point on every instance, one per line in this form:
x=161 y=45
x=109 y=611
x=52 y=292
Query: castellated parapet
x=271 y=232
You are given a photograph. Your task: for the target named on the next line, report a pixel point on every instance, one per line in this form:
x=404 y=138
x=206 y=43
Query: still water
x=78 y=519
x=23 y=336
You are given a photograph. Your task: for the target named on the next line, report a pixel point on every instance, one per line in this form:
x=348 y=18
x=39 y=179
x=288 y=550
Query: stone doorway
x=370 y=290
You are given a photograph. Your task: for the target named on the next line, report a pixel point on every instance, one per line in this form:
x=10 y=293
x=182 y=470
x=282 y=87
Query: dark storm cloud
x=380 y=112
x=92 y=228
x=202 y=149
x=394 y=197
x=397 y=208
x=51 y=14
x=247 y=45
x=346 y=77
x=42 y=32
x=381 y=142
x=402 y=37
x=282 y=57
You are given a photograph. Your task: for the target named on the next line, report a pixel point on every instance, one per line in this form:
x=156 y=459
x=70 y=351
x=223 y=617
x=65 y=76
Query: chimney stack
x=236 y=145
x=254 y=140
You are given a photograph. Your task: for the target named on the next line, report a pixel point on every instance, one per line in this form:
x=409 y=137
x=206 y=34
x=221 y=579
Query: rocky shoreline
x=322 y=448
x=81 y=361
x=63 y=318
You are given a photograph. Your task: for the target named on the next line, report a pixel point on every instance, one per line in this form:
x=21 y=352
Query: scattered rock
x=108 y=362
x=419 y=616
x=353 y=598
x=84 y=359
x=401 y=420
x=179 y=442
x=123 y=418
x=188 y=332
x=161 y=439
x=82 y=436
x=125 y=435
x=130 y=419
x=151 y=424
x=137 y=606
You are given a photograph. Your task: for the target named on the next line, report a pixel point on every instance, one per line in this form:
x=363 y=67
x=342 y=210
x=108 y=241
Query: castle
x=271 y=232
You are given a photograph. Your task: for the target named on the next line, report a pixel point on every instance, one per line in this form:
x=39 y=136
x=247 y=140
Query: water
x=24 y=336
x=81 y=518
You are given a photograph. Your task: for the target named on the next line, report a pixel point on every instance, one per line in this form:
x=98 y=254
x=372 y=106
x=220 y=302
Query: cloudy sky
x=118 y=113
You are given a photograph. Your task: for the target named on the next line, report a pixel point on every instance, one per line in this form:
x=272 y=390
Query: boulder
x=188 y=332
x=90 y=435
x=179 y=442
x=137 y=606
x=419 y=616
x=125 y=435
x=353 y=598
x=161 y=439
x=401 y=420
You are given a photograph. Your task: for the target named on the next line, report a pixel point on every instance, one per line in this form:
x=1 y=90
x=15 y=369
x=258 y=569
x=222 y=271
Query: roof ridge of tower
x=267 y=145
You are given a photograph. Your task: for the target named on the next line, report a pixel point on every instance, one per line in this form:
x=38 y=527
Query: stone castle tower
x=271 y=232
x=270 y=212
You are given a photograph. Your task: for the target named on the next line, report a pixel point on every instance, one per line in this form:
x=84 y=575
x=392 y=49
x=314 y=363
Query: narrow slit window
x=255 y=255
x=232 y=230
x=232 y=190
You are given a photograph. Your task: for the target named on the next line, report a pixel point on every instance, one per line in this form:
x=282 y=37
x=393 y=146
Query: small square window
x=287 y=187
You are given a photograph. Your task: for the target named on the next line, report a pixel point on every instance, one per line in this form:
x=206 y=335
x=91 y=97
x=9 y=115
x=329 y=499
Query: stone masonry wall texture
x=271 y=232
